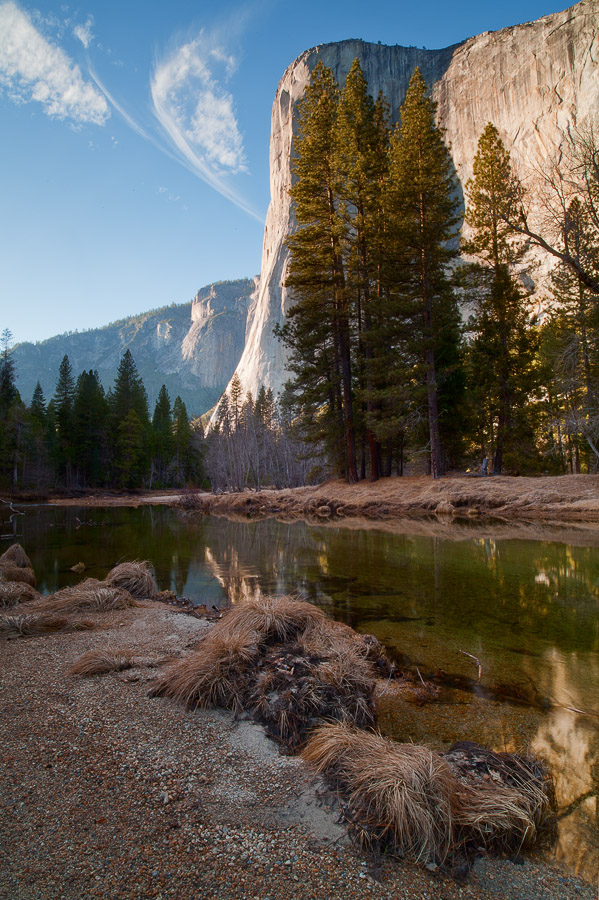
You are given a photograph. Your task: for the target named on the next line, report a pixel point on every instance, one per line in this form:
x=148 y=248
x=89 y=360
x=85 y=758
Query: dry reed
x=137 y=577
x=397 y=794
x=102 y=661
x=89 y=595
x=11 y=572
x=212 y=674
x=13 y=626
x=16 y=556
x=278 y=618
x=12 y=593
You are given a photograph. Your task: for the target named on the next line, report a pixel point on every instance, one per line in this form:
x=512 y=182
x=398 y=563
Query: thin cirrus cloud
x=197 y=113
x=84 y=33
x=34 y=69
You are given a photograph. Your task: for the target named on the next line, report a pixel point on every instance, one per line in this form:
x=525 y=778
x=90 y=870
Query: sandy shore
x=106 y=793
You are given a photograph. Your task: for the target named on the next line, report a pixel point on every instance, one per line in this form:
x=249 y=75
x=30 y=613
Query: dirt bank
x=567 y=498
x=106 y=793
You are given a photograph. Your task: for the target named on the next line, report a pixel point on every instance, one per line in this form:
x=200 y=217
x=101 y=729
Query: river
x=528 y=610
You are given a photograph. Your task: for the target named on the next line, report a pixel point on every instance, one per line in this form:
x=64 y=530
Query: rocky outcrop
x=193 y=348
x=534 y=81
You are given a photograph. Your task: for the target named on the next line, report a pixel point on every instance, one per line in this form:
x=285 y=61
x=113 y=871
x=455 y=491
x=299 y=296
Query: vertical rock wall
x=534 y=81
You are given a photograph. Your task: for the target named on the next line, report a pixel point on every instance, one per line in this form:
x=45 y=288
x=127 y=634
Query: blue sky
x=134 y=149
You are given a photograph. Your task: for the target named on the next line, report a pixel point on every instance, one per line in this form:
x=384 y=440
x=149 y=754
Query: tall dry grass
x=213 y=674
x=13 y=626
x=13 y=593
x=398 y=794
x=16 y=556
x=428 y=805
x=136 y=577
x=11 y=572
x=277 y=618
x=91 y=594
x=105 y=660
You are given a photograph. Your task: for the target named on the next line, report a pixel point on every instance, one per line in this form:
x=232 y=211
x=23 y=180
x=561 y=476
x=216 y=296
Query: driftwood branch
x=15 y=512
x=477 y=661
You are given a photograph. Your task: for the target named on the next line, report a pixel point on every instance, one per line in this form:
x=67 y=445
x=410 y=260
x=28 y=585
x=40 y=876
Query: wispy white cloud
x=197 y=112
x=33 y=68
x=84 y=32
x=121 y=111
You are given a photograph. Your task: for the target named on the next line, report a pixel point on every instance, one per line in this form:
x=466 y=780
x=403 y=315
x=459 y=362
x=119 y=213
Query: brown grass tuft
x=99 y=662
x=10 y=572
x=137 y=577
x=89 y=595
x=12 y=593
x=16 y=556
x=280 y=618
x=212 y=674
x=35 y=624
x=399 y=794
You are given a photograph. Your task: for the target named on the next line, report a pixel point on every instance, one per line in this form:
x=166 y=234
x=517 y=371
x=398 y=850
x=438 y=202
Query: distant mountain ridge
x=192 y=348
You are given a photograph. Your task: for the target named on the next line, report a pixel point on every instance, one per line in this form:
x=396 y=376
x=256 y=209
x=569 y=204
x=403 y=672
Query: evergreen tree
x=64 y=396
x=423 y=211
x=163 y=435
x=131 y=454
x=38 y=404
x=184 y=457
x=318 y=330
x=504 y=345
x=235 y=399
x=8 y=386
x=90 y=423
x=361 y=136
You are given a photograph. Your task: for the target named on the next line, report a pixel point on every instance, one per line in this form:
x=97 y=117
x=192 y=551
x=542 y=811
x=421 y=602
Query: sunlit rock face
x=534 y=81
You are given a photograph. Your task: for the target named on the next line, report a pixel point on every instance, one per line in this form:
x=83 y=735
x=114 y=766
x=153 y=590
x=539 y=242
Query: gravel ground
x=106 y=793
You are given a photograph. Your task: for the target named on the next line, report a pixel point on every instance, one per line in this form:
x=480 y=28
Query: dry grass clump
x=429 y=806
x=11 y=572
x=397 y=794
x=90 y=594
x=16 y=556
x=137 y=577
x=12 y=593
x=102 y=661
x=277 y=618
x=213 y=675
x=504 y=799
x=41 y=623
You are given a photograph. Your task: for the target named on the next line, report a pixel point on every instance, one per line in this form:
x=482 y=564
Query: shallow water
x=527 y=609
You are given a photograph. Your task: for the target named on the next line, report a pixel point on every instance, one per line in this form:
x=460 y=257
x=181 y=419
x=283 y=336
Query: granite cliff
x=192 y=347
x=534 y=81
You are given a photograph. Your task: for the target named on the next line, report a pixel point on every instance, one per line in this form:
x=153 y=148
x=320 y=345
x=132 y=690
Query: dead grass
x=13 y=626
x=11 y=572
x=16 y=556
x=212 y=674
x=427 y=805
x=136 y=577
x=104 y=660
x=397 y=794
x=90 y=594
x=278 y=618
x=12 y=593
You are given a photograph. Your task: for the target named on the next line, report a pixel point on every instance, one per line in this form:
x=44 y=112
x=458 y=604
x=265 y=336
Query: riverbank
x=559 y=499
x=108 y=793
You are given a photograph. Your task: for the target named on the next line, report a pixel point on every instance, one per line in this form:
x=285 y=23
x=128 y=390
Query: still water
x=527 y=609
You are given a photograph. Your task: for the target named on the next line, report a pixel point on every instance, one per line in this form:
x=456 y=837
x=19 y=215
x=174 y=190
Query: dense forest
x=411 y=348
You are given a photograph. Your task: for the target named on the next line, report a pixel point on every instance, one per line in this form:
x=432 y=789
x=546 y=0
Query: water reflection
x=528 y=609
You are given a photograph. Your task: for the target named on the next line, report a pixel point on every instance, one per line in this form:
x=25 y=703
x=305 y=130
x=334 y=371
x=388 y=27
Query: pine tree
x=8 y=386
x=90 y=425
x=318 y=330
x=163 y=435
x=235 y=399
x=131 y=456
x=504 y=344
x=64 y=396
x=423 y=212
x=361 y=137
x=184 y=457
